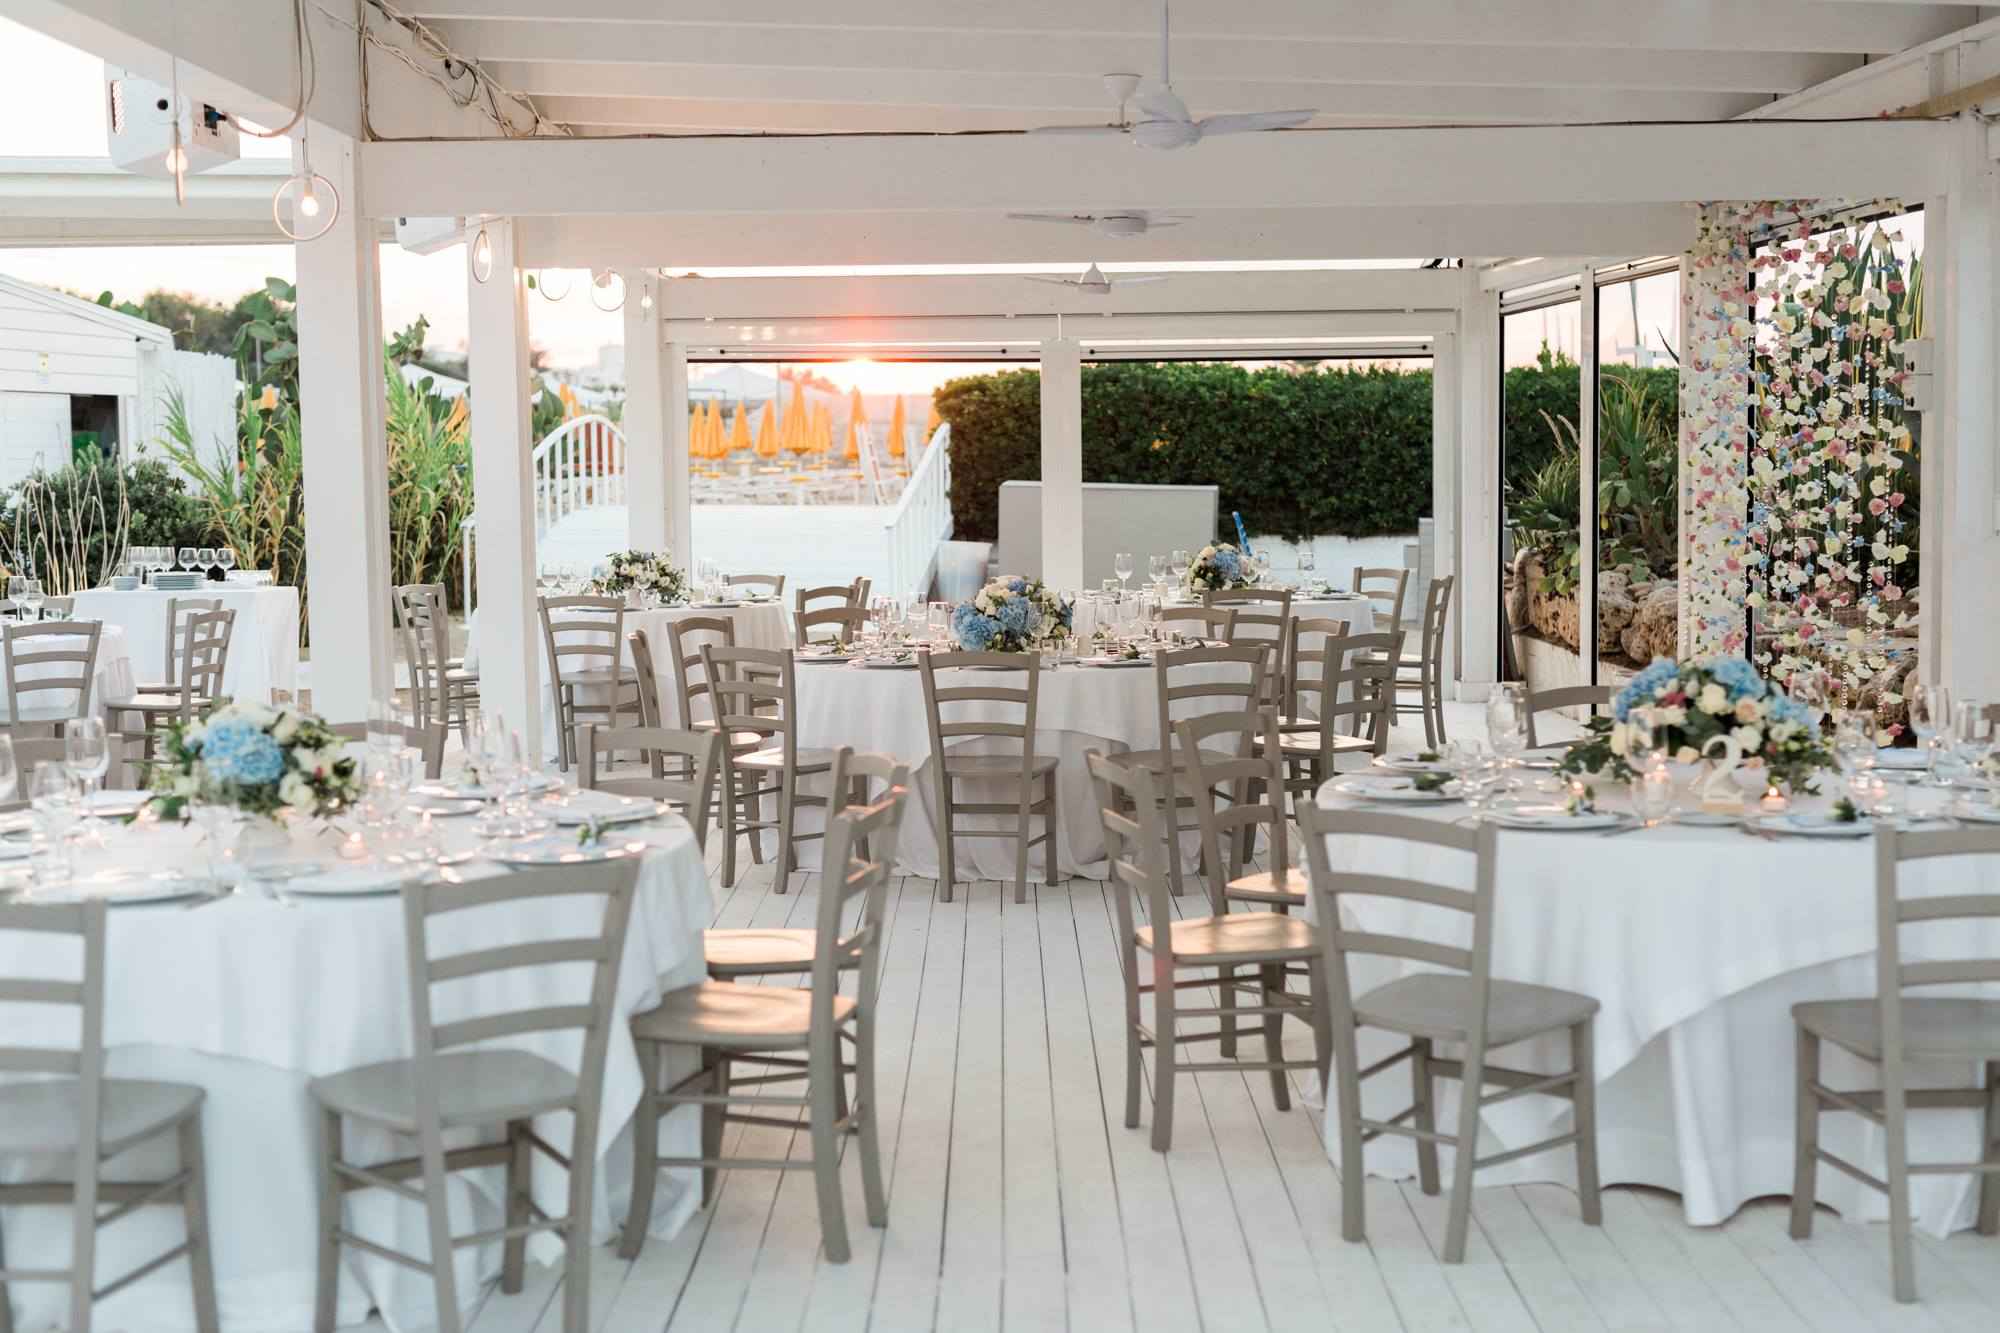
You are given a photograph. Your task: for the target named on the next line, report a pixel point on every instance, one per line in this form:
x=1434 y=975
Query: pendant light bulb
x=482 y=257
x=306 y=204
x=607 y=290
x=646 y=298
x=308 y=201
x=553 y=283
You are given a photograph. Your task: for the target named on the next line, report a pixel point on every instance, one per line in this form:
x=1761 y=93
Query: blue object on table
x=1242 y=537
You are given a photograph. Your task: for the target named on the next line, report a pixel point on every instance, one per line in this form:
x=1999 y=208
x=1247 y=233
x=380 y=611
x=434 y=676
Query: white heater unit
x=141 y=116
x=427 y=236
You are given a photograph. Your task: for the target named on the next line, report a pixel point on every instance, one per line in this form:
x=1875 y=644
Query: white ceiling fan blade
x=1251 y=122
x=1160 y=102
x=1079 y=129
x=1067 y=219
x=1167 y=219
x=1123 y=280
x=1060 y=282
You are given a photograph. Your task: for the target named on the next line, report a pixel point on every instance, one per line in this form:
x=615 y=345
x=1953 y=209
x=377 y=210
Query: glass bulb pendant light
x=306 y=204
x=482 y=257
x=554 y=283
x=607 y=290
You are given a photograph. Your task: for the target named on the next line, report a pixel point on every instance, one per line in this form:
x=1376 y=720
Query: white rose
x=294 y=790
x=1686 y=755
x=184 y=785
x=1621 y=737
x=1714 y=699
x=1675 y=716
x=1750 y=738
x=286 y=728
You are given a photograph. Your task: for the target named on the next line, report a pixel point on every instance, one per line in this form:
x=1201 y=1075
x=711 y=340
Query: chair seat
x=741 y=741
x=43 y=1117
x=1439 y=1005
x=1251 y=936
x=1287 y=887
x=1933 y=1029
x=753 y=952
x=597 y=677
x=151 y=701
x=1307 y=742
x=994 y=765
x=737 y=1018
x=474 y=1088
x=460 y=676
x=808 y=761
x=1153 y=760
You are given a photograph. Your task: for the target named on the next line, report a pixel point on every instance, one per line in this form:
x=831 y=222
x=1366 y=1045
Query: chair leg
x=1274 y=1032
x=1423 y=1089
x=1134 y=1069
x=1176 y=878
x=1458 y=1219
x=1049 y=832
x=947 y=855
x=1989 y=1184
x=787 y=795
x=1805 y=1136
x=873 y=1195
x=646 y=1151
x=326 y=1289
x=1322 y=1025
x=1902 y=1260
x=194 y=1203
x=444 y=1273
x=6 y=1305
x=1225 y=984
x=713 y=1121
x=1024 y=817
x=727 y=814
x=1163 y=1053
x=520 y=1172
x=1347 y=1096
x=824 y=1131
x=1583 y=1059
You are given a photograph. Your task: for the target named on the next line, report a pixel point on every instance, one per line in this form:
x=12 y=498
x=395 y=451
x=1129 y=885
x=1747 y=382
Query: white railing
x=581 y=465
x=921 y=520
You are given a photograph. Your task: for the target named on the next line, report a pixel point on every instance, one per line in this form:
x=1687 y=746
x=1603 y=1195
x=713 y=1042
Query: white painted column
x=1062 y=465
x=645 y=421
x=680 y=503
x=1586 y=447
x=1479 y=501
x=510 y=637
x=1959 y=634
x=345 y=448
x=1446 y=559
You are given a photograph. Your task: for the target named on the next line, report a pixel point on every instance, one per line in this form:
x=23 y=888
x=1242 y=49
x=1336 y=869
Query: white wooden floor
x=1019 y=1200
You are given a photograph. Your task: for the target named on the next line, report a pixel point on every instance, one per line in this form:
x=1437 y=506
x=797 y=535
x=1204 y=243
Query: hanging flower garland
x=1829 y=537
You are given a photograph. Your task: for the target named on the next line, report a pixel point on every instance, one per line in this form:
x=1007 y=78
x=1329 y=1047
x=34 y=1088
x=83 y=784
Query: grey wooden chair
x=1188 y=954
x=774 y=584
x=1215 y=624
x=753 y=691
x=698 y=754
x=845 y=624
x=728 y=1022
x=141 y=722
x=643 y=666
x=993 y=699
x=442 y=690
x=1349 y=692
x=73 y=1113
x=1475 y=1011
x=445 y=1088
x=178 y=611
x=29 y=751
x=1428 y=664
x=827 y=596
x=427 y=741
x=51 y=672
x=1186 y=686
x=585 y=638
x=1382 y=586
x=1566 y=696
x=1315 y=648
x=1263 y=617
x=690 y=681
x=757 y=951
x=1893 y=1031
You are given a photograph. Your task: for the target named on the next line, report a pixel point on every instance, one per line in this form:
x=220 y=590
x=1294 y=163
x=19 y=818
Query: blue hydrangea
x=1642 y=688
x=1017 y=584
x=1784 y=708
x=1738 y=677
x=973 y=631
x=1228 y=564
x=238 y=752
x=1013 y=615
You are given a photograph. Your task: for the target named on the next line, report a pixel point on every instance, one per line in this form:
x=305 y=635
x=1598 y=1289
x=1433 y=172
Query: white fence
x=581 y=465
x=921 y=520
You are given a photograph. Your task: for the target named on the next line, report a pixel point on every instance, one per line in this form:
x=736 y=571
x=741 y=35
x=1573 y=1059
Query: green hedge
x=1297 y=452
x=1528 y=391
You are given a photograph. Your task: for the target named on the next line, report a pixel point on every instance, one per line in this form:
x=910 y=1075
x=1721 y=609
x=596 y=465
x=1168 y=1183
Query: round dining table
x=251 y=997
x=1697 y=941
x=263 y=642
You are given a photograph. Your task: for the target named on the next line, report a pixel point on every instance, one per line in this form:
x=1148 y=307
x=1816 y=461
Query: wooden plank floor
x=1018 y=1200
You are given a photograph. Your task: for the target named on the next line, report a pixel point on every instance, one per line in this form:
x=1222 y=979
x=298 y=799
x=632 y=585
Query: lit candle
x=353 y=848
x=1774 y=801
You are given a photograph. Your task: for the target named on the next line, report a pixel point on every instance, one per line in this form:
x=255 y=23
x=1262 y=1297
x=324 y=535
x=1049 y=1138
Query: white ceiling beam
x=722 y=240
x=1399 y=290
x=769 y=336
x=1212 y=71
x=1610 y=164
x=1721 y=25
x=634 y=96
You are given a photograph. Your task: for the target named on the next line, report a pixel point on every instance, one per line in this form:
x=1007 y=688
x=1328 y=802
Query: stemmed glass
x=1121 y=565
x=53 y=800
x=1930 y=718
x=187 y=557
x=207 y=557
x=1306 y=563
x=17 y=592
x=1854 y=743
x=226 y=557
x=1971 y=740
x=1156 y=569
x=32 y=597
x=86 y=756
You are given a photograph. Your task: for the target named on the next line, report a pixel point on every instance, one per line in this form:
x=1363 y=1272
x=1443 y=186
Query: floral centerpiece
x=261 y=760
x=1010 y=615
x=1717 y=709
x=1220 y=565
x=642 y=571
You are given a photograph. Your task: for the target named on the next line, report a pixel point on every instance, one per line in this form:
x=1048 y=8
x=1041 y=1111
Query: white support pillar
x=1586 y=449
x=510 y=639
x=646 y=419
x=345 y=448
x=1959 y=635
x=1479 y=499
x=1062 y=464
x=680 y=505
x=1446 y=560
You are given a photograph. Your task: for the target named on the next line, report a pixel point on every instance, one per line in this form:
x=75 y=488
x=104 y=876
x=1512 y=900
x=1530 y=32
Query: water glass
x=32 y=597
x=1854 y=741
x=1178 y=562
x=1156 y=569
x=1930 y=719
x=1970 y=738
x=53 y=801
x=1642 y=744
x=1507 y=721
x=1653 y=793
x=17 y=591
x=1306 y=561
x=1121 y=565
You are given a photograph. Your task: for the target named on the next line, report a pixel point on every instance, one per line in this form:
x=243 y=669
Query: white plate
x=1977 y=814
x=355 y=881
x=714 y=606
x=117 y=802
x=1705 y=818
x=1810 y=826
x=888 y=663
x=560 y=849
x=1114 y=661
x=1399 y=789
x=605 y=808
x=1403 y=763
x=473 y=791
x=1902 y=760
x=1555 y=818
x=127 y=890
x=448 y=807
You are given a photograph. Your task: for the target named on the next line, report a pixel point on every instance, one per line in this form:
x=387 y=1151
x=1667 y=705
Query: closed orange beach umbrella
x=767 y=425
x=899 y=426
x=931 y=423
x=771 y=442
x=739 y=433
x=694 y=434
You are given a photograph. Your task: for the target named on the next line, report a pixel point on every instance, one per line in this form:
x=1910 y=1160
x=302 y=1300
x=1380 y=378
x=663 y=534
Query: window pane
x=1638 y=514
x=1540 y=472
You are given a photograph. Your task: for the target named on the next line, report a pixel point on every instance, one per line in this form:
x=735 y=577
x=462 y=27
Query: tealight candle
x=353 y=848
x=1774 y=801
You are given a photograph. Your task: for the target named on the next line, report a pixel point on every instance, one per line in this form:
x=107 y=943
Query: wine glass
x=17 y=591
x=1306 y=563
x=32 y=597
x=1156 y=569
x=1121 y=565
x=1854 y=741
x=1178 y=562
x=52 y=798
x=226 y=557
x=86 y=756
x=1930 y=719
x=1507 y=722
x=1970 y=739
x=206 y=555
x=187 y=557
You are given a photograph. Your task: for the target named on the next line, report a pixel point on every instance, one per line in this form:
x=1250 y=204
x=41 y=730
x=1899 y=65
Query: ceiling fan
x=1118 y=226
x=1164 y=119
x=1095 y=281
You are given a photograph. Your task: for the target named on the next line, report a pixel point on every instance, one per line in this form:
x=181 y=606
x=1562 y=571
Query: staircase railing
x=578 y=465
x=920 y=520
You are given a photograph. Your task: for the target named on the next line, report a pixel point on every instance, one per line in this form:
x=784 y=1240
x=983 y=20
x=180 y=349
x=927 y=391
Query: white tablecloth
x=1078 y=708
x=250 y=1000
x=1697 y=942
x=758 y=625
x=112 y=681
x=263 y=645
